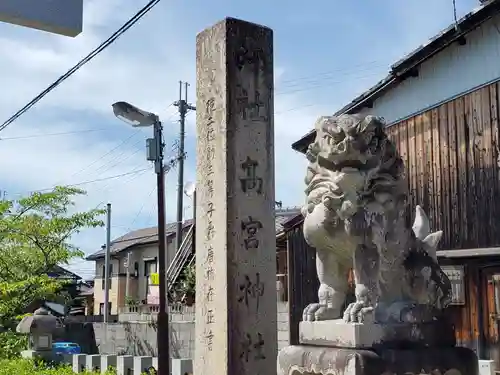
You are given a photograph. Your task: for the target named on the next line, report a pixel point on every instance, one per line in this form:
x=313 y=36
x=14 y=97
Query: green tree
x=185 y=288
x=35 y=235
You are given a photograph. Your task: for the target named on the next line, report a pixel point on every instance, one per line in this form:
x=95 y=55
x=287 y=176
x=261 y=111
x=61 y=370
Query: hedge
x=25 y=367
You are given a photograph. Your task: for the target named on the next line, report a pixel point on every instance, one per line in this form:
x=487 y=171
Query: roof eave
x=398 y=70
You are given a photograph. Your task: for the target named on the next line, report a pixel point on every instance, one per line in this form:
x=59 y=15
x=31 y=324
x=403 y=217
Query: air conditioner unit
x=486 y=367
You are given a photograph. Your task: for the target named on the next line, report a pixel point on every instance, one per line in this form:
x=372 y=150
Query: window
x=282 y=274
x=110 y=275
x=103 y=276
x=101 y=308
x=136 y=269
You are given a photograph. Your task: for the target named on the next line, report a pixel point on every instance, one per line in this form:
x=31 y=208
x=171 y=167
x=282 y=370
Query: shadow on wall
x=81 y=333
x=140 y=338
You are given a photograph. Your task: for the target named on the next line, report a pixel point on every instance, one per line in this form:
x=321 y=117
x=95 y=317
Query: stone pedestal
x=334 y=347
x=142 y=364
x=78 y=364
x=46 y=355
x=107 y=361
x=124 y=364
x=93 y=362
x=337 y=333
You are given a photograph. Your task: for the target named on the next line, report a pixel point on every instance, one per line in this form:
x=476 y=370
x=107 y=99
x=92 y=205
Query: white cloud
x=142 y=67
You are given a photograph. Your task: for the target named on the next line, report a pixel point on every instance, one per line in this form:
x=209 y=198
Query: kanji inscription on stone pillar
x=236 y=330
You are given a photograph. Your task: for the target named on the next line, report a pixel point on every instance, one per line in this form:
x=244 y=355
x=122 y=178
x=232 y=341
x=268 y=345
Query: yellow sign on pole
x=154 y=279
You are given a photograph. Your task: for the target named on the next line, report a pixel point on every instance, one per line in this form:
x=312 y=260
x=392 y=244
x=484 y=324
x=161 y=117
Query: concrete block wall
x=138 y=337
x=282 y=320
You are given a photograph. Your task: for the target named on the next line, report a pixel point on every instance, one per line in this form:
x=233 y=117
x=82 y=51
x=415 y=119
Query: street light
x=133 y=115
x=139 y=118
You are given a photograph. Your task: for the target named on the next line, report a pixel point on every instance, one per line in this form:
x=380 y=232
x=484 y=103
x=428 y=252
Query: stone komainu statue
x=355 y=218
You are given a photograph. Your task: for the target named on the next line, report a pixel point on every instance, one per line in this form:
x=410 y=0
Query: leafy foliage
x=25 y=367
x=35 y=234
x=12 y=344
x=186 y=287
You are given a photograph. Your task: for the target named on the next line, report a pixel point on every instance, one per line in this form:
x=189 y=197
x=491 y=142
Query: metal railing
x=183 y=257
x=153 y=309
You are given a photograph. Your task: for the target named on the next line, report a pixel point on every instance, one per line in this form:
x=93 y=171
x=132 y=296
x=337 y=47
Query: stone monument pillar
x=236 y=331
x=355 y=218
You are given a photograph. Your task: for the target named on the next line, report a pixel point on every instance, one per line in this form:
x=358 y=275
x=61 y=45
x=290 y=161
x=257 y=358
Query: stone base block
x=314 y=360
x=107 y=361
x=181 y=366
x=46 y=355
x=142 y=364
x=79 y=361
x=337 y=333
x=124 y=364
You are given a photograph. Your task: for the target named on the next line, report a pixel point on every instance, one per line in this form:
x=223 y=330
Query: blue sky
x=326 y=53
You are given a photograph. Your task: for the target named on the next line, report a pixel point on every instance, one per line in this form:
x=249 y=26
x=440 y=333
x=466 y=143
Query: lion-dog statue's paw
x=318 y=311
x=359 y=312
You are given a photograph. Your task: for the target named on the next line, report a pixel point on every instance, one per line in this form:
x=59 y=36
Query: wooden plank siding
x=450 y=155
x=451 y=163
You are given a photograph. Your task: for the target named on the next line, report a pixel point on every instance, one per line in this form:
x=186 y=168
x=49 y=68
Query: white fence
x=145 y=313
x=125 y=364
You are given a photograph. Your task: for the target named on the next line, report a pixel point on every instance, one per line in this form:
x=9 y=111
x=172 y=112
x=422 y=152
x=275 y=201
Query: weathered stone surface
x=308 y=360
x=297 y=359
x=236 y=331
x=355 y=217
x=337 y=333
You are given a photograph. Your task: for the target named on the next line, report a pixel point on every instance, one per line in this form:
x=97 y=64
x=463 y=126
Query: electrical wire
x=142 y=208
x=127 y=180
x=287 y=83
x=51 y=134
x=96 y=180
x=122 y=156
x=123 y=142
x=127 y=25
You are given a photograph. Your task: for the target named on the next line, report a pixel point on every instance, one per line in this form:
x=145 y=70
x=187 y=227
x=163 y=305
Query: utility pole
x=139 y=118
x=107 y=275
x=184 y=107
x=163 y=334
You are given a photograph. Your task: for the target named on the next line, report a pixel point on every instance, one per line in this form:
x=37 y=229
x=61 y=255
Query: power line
x=96 y=180
x=124 y=182
x=328 y=75
x=118 y=159
x=127 y=25
x=122 y=143
x=142 y=208
x=51 y=134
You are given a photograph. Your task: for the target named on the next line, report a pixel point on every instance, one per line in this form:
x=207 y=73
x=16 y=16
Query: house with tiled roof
x=134 y=259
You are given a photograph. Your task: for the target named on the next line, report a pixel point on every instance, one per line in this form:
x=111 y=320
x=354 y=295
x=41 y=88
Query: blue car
x=66 y=348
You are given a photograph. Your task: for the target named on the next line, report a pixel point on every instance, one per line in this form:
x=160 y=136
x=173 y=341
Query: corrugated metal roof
x=150 y=235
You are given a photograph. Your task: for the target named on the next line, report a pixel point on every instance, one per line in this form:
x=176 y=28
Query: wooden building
x=441 y=103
